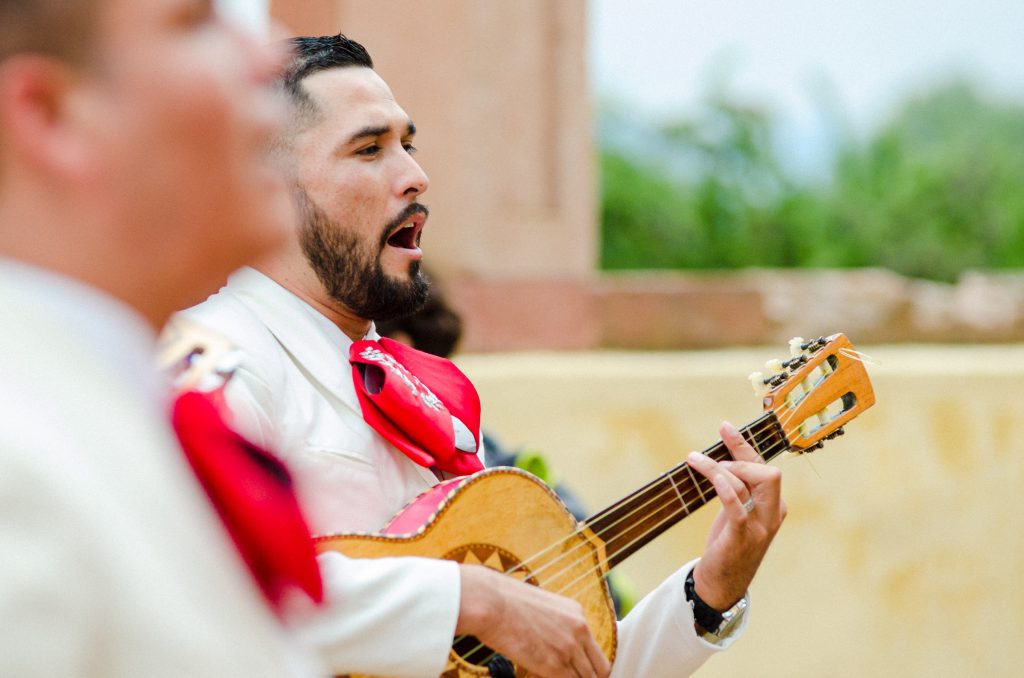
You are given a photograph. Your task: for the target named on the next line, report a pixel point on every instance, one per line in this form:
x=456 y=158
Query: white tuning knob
x=795 y=346
x=757 y=381
x=774 y=366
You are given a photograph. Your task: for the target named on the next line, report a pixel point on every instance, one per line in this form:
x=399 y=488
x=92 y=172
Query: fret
x=752 y=440
x=682 y=502
x=696 y=483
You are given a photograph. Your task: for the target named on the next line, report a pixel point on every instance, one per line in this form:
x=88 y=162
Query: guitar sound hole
x=469 y=648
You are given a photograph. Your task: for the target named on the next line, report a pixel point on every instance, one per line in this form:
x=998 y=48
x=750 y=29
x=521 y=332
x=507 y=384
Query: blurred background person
x=134 y=174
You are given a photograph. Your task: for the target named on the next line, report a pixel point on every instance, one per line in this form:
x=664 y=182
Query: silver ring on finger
x=749 y=504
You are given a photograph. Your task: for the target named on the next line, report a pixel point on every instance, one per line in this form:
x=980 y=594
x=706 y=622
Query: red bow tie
x=252 y=492
x=422 y=404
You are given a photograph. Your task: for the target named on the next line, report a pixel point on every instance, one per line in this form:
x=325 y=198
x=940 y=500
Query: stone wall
x=665 y=310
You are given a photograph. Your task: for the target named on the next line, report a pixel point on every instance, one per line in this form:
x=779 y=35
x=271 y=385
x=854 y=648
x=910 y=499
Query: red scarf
x=252 y=491
x=411 y=397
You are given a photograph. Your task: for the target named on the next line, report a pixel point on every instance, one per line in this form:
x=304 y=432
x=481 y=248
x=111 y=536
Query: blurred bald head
x=135 y=144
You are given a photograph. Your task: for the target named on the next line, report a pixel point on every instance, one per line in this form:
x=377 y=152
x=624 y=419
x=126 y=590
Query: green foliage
x=938 y=190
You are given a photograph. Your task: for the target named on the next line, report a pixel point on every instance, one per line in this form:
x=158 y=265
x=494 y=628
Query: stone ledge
x=669 y=310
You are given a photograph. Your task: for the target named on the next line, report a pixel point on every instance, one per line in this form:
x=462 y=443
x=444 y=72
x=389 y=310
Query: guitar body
x=508 y=520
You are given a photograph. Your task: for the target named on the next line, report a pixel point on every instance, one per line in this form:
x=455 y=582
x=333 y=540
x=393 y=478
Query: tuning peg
x=835 y=434
x=796 y=346
x=795 y=362
x=759 y=383
x=774 y=366
x=814 y=344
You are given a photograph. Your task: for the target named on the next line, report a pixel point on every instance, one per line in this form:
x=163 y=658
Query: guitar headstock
x=814 y=393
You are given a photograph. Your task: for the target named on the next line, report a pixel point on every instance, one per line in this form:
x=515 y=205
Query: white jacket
x=294 y=395
x=113 y=564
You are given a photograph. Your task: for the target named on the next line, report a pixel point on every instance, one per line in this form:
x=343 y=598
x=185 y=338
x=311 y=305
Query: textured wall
x=902 y=552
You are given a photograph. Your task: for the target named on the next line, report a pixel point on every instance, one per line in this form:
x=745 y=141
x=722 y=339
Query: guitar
x=807 y=400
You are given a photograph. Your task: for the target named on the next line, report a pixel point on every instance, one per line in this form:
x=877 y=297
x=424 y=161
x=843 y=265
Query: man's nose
x=414 y=179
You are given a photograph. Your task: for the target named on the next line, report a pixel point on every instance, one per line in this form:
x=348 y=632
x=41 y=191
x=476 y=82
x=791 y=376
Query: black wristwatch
x=714 y=623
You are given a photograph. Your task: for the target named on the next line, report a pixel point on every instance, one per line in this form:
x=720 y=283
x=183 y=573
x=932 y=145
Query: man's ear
x=38 y=115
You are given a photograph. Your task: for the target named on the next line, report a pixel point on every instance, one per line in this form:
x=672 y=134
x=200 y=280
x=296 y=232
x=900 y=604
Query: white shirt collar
x=309 y=336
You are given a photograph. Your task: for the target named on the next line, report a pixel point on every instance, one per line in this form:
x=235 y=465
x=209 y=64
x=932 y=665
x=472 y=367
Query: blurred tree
x=938 y=190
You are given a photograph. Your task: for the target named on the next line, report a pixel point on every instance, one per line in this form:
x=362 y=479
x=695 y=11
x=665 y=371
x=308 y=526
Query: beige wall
x=903 y=549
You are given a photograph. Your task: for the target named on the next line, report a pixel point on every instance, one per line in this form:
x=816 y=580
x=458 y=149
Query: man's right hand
x=544 y=633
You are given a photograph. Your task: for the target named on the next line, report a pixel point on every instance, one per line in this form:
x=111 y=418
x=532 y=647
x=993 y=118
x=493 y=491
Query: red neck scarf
x=422 y=404
x=252 y=492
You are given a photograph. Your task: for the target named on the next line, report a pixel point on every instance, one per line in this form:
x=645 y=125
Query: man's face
x=184 y=107
x=358 y=185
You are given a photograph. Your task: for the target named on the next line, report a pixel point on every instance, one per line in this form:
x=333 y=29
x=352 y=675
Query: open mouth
x=407 y=236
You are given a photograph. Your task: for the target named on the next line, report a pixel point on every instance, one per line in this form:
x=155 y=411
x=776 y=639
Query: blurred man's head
x=134 y=145
x=350 y=151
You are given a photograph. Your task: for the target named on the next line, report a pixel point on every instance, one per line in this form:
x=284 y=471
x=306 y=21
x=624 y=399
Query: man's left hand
x=739 y=537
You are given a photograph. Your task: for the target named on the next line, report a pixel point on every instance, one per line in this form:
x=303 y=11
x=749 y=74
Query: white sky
x=253 y=14
x=657 y=53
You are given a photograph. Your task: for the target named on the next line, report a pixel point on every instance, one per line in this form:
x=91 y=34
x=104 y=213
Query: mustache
x=410 y=210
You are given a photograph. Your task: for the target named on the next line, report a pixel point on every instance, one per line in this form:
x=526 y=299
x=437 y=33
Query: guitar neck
x=632 y=522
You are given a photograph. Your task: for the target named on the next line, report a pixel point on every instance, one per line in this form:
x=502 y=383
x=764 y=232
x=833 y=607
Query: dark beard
x=352 y=275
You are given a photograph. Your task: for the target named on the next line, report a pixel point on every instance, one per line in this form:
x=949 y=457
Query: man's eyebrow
x=369 y=132
x=373 y=131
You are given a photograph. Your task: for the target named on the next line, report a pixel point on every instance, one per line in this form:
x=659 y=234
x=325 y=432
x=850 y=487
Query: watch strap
x=714 y=623
x=707 y=617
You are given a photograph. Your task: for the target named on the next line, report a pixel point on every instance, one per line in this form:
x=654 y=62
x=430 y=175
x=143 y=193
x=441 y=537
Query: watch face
x=731 y=617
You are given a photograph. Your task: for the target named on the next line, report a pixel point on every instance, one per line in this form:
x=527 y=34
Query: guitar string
x=772 y=449
x=588 y=553
x=671 y=517
x=688 y=505
x=750 y=428
x=684 y=508
x=854 y=354
x=685 y=505
x=588 y=574
x=652 y=496
x=656 y=493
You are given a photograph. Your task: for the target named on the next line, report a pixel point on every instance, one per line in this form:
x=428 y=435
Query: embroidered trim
x=415 y=385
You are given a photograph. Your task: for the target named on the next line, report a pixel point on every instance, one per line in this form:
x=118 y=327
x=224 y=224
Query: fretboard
x=632 y=522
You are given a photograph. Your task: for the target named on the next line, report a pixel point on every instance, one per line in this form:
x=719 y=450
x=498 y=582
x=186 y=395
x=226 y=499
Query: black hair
x=313 y=54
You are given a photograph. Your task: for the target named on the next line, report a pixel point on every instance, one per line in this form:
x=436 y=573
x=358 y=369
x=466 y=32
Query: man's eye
x=369 y=150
